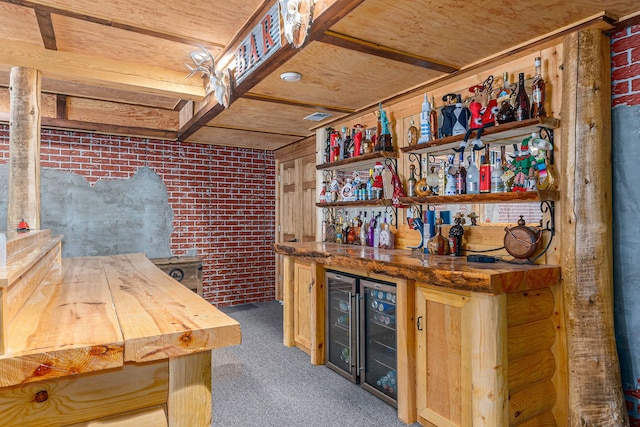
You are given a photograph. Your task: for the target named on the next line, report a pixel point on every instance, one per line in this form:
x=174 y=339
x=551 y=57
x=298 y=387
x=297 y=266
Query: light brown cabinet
x=304 y=281
x=486 y=359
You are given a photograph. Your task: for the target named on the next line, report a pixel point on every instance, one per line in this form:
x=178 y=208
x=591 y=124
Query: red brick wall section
x=625 y=66
x=223 y=200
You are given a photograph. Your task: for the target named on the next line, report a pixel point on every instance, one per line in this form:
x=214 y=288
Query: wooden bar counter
x=478 y=344
x=108 y=340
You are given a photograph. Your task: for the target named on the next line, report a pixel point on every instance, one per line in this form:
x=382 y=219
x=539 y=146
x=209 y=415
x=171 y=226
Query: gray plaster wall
x=111 y=217
x=625 y=124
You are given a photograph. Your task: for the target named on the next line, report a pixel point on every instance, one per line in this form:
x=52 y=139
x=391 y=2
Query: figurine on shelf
x=473 y=217
x=383 y=141
x=357 y=140
x=455 y=234
x=483 y=113
x=522 y=167
x=335 y=146
x=398 y=190
x=447 y=115
x=334 y=188
x=378 y=185
x=539 y=149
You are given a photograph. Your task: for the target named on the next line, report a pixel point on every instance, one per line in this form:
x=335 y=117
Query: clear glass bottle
x=538 y=89
x=497 y=185
x=473 y=175
x=523 y=107
x=411 y=182
x=450 y=173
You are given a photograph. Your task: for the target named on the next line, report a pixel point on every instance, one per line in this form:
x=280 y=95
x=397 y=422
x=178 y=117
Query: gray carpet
x=264 y=383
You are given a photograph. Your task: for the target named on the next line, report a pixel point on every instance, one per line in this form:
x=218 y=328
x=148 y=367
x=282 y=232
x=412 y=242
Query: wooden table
x=110 y=340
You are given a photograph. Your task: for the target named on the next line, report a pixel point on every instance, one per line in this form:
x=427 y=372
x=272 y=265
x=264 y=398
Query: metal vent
x=316 y=117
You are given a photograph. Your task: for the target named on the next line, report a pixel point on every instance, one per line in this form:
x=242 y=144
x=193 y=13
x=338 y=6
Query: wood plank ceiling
x=118 y=66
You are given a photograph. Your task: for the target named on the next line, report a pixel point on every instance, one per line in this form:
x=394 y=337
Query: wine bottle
x=538 y=89
x=473 y=175
x=364 y=231
x=461 y=176
x=523 y=109
x=433 y=119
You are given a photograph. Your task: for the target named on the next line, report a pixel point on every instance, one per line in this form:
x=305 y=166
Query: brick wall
x=625 y=66
x=223 y=199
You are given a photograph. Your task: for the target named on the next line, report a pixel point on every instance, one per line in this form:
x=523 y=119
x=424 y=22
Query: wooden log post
x=595 y=389
x=24 y=148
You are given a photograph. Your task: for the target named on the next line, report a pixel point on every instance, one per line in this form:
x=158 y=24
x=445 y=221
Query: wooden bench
x=106 y=340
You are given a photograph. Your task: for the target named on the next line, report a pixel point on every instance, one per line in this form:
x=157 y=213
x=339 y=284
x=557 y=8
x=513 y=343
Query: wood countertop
x=96 y=313
x=439 y=270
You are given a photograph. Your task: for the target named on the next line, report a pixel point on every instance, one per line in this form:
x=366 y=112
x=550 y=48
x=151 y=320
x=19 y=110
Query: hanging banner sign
x=262 y=42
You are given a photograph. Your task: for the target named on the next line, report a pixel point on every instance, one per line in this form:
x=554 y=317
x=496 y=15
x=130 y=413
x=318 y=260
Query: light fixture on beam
x=291 y=76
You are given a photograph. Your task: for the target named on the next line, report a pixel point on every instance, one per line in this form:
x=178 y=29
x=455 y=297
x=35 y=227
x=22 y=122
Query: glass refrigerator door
x=378 y=340
x=341 y=352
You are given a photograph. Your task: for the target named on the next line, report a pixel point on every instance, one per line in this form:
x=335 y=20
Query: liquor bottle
x=364 y=231
x=461 y=176
x=376 y=232
x=386 y=236
x=433 y=119
x=523 y=109
x=347 y=145
x=411 y=182
x=450 y=173
x=425 y=123
x=461 y=115
x=351 y=234
x=372 y=230
x=485 y=172
x=370 y=185
x=538 y=89
x=497 y=185
x=442 y=179
x=473 y=175
x=506 y=112
x=412 y=134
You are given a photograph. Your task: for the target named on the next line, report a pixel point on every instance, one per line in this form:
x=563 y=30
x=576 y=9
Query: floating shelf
x=511 y=197
x=358 y=161
x=508 y=133
x=355 y=203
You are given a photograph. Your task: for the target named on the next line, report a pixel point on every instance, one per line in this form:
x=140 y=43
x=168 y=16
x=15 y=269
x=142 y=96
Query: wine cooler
x=361 y=332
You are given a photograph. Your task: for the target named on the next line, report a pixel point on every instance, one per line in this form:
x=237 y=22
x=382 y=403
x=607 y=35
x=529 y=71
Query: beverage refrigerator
x=361 y=332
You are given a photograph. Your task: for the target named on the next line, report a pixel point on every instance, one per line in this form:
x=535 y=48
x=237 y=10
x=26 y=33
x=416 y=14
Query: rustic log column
x=595 y=390
x=24 y=148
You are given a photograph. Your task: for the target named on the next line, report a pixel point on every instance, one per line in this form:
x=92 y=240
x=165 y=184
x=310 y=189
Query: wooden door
x=303 y=278
x=295 y=199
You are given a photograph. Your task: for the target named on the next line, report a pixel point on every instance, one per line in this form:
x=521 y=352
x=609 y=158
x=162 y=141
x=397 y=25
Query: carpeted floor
x=264 y=383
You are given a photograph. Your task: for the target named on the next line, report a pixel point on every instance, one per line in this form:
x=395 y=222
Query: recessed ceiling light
x=291 y=76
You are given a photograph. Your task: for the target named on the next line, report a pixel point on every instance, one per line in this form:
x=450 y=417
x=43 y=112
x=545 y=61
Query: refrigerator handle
x=350 y=324
x=358 y=337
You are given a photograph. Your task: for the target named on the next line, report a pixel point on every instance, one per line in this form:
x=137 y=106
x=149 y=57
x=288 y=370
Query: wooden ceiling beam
x=102 y=72
x=351 y=43
x=46 y=29
x=114 y=24
x=332 y=11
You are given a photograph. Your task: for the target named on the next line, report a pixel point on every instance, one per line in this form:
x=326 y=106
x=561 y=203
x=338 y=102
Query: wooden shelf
x=511 y=197
x=355 y=203
x=508 y=133
x=358 y=161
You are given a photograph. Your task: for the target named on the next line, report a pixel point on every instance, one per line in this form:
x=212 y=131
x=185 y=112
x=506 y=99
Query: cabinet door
x=304 y=280
x=461 y=358
x=443 y=394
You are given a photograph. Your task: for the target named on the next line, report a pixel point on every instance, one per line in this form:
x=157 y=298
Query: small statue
x=416 y=224
x=522 y=167
x=455 y=234
x=473 y=217
x=378 y=185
